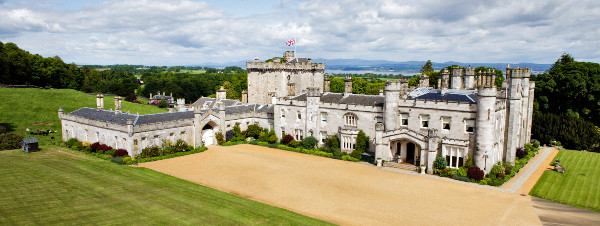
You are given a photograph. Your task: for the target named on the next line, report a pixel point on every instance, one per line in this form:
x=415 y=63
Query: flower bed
x=500 y=173
x=299 y=149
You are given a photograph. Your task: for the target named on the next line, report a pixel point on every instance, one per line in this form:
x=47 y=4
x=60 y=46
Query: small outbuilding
x=30 y=144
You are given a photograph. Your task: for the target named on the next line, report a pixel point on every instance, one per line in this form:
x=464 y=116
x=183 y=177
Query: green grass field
x=60 y=186
x=37 y=109
x=192 y=71
x=579 y=186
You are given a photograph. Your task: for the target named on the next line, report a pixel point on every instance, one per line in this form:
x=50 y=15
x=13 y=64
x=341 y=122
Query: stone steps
x=402 y=166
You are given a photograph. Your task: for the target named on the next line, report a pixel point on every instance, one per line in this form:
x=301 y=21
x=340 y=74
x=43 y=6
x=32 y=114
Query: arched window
x=350 y=119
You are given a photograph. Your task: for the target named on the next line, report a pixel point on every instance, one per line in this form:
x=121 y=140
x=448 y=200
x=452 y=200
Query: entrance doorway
x=410 y=153
x=208 y=135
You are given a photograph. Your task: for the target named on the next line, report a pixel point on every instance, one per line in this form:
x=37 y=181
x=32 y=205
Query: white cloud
x=188 y=32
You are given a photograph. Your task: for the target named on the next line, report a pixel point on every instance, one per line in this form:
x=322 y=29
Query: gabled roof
x=30 y=140
x=352 y=99
x=103 y=115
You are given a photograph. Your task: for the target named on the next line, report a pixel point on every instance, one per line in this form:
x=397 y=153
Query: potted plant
x=422 y=166
x=379 y=162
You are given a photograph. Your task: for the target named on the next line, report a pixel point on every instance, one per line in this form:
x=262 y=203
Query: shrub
x=151 y=151
x=521 y=152
x=131 y=97
x=117 y=160
x=332 y=142
x=272 y=139
x=497 y=169
x=110 y=152
x=294 y=144
x=528 y=147
x=468 y=162
x=485 y=181
x=536 y=144
x=349 y=158
x=71 y=142
x=220 y=138
x=86 y=144
x=126 y=159
x=356 y=154
x=94 y=146
x=447 y=172
x=237 y=133
x=475 y=173
x=496 y=181
x=163 y=104
x=337 y=153
x=253 y=131
x=120 y=152
x=287 y=139
x=461 y=178
x=309 y=142
x=77 y=146
x=439 y=163
x=462 y=171
x=10 y=141
x=362 y=142
x=87 y=149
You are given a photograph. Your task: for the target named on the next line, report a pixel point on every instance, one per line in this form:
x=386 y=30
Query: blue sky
x=185 y=32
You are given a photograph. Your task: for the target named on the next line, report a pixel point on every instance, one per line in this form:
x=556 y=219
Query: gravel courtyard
x=343 y=192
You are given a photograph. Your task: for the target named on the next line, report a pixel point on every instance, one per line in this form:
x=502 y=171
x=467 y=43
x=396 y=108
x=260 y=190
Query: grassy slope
x=579 y=186
x=22 y=108
x=62 y=186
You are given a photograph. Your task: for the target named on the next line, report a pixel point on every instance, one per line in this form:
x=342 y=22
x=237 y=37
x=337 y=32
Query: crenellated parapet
x=289 y=67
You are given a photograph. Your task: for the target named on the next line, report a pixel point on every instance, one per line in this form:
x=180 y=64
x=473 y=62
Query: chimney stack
x=347 y=86
x=221 y=94
x=327 y=85
x=99 y=101
x=244 y=97
x=118 y=105
x=380 y=92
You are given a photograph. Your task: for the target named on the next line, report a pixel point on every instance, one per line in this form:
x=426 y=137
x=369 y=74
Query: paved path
x=346 y=193
x=552 y=213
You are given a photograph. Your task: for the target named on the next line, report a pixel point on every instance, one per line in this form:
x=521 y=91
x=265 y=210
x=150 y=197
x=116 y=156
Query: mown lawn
x=37 y=109
x=579 y=186
x=59 y=186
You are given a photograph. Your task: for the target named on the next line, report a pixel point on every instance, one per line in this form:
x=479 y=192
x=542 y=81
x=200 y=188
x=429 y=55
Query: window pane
x=453 y=161
x=460 y=162
x=448 y=160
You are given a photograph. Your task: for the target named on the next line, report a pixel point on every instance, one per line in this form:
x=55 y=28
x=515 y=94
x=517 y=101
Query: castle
x=466 y=115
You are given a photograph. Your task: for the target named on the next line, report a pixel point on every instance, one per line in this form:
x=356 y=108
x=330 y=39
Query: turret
x=244 y=97
x=469 y=79
x=515 y=108
x=99 y=101
x=424 y=81
x=288 y=56
x=484 y=156
x=180 y=103
x=221 y=94
x=392 y=98
x=326 y=85
x=445 y=78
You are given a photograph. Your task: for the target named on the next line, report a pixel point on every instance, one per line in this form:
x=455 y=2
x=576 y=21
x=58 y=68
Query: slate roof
x=164 y=117
x=200 y=102
x=352 y=99
x=463 y=96
x=239 y=109
x=30 y=140
x=299 y=60
x=103 y=115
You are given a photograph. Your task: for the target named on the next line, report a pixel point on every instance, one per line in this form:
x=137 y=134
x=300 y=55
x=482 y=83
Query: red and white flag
x=291 y=42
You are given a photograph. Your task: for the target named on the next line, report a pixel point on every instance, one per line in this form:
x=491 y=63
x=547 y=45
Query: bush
x=237 y=133
x=127 y=159
x=536 y=144
x=462 y=171
x=71 y=142
x=10 y=141
x=163 y=104
x=77 y=146
x=475 y=173
x=287 y=139
x=272 y=139
x=439 y=163
x=356 y=154
x=151 y=151
x=496 y=181
x=337 y=153
x=332 y=142
x=220 y=138
x=94 y=146
x=120 y=152
x=497 y=170
x=349 y=158
x=461 y=178
x=294 y=144
x=521 y=152
x=86 y=144
x=253 y=131
x=362 y=142
x=117 y=160
x=309 y=142
x=447 y=172
x=131 y=97
x=485 y=181
x=110 y=152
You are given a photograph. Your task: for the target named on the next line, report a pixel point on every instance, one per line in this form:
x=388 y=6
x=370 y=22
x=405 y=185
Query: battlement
x=518 y=72
x=286 y=66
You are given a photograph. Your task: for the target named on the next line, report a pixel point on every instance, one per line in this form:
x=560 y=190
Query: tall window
x=348 y=142
x=454 y=156
x=282 y=113
x=445 y=123
x=282 y=132
x=323 y=136
x=350 y=120
x=469 y=125
x=299 y=134
x=404 y=119
x=299 y=115
x=424 y=121
x=323 y=116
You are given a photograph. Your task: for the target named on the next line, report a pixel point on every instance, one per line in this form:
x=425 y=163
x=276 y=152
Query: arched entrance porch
x=407 y=151
x=208 y=134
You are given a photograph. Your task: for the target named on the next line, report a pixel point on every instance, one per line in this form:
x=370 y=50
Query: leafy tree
x=237 y=133
x=414 y=81
x=440 y=162
x=336 y=85
x=427 y=68
x=332 y=142
x=163 y=104
x=253 y=130
x=362 y=144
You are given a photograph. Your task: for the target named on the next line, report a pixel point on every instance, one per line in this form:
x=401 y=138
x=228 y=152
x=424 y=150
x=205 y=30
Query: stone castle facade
x=466 y=115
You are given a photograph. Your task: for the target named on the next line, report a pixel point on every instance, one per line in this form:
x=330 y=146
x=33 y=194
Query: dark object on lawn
x=559 y=168
x=30 y=144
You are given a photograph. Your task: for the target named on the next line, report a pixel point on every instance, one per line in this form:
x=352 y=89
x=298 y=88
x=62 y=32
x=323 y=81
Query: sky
x=184 y=32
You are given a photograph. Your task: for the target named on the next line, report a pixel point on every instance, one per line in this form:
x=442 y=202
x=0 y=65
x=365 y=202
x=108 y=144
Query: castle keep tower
x=518 y=108
x=486 y=99
x=392 y=97
x=276 y=77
